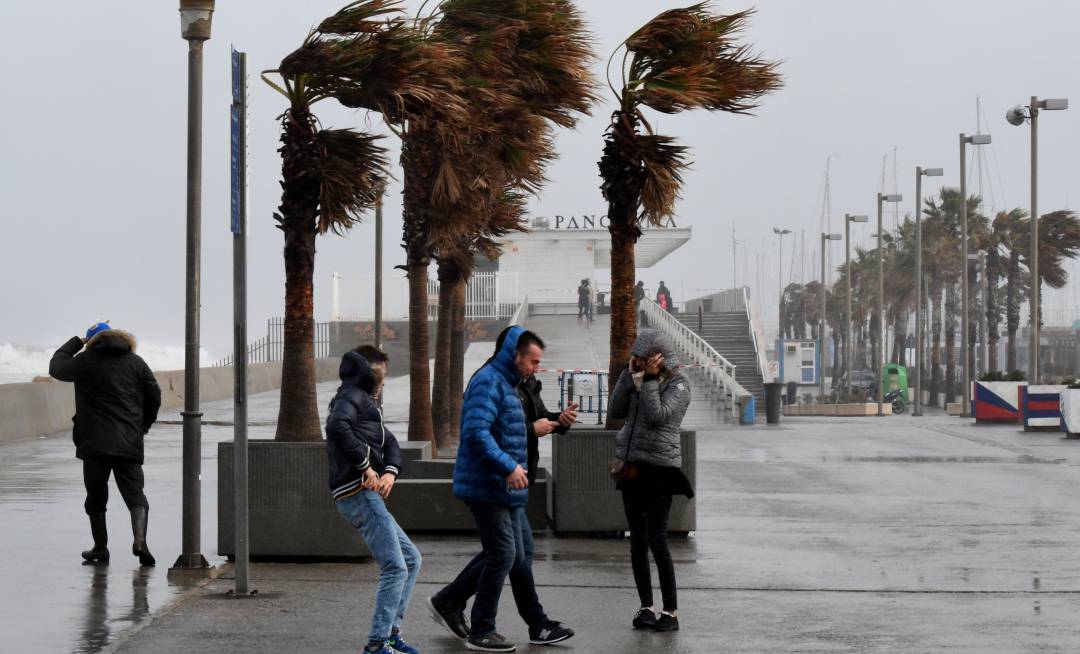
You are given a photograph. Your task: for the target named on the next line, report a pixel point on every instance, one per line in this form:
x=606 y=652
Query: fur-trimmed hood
x=116 y=340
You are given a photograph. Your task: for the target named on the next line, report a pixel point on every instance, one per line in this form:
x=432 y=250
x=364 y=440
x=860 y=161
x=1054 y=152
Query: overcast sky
x=93 y=136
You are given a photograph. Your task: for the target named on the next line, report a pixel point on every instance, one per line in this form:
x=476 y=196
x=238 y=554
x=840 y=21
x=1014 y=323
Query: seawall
x=37 y=408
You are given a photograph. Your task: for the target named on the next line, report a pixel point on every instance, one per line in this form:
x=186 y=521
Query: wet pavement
x=894 y=534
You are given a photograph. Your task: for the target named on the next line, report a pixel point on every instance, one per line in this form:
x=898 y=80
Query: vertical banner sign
x=235 y=152
x=238 y=211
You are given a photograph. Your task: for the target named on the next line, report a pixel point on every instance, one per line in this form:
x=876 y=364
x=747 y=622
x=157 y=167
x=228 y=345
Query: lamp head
x=1016 y=115
x=859 y=219
x=832 y=237
x=933 y=172
x=781 y=232
x=1054 y=104
x=892 y=197
x=195 y=18
x=979 y=139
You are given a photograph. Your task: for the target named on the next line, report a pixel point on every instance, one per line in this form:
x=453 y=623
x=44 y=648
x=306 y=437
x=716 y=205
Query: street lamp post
x=919 y=173
x=1016 y=116
x=780 y=284
x=821 y=318
x=880 y=362
x=195 y=21
x=965 y=310
x=849 y=348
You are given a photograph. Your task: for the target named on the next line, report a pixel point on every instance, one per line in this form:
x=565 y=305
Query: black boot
x=100 y=552
x=138 y=530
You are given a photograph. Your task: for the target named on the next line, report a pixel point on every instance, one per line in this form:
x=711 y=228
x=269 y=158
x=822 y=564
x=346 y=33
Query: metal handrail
x=718 y=371
x=522 y=311
x=752 y=320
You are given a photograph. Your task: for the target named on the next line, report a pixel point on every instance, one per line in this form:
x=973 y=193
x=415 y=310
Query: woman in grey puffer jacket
x=652 y=396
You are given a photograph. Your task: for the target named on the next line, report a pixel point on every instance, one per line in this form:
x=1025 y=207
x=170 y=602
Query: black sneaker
x=666 y=622
x=453 y=620
x=645 y=618
x=549 y=633
x=492 y=642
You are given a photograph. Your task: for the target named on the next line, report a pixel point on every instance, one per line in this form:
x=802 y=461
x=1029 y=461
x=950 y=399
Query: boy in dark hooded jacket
x=364 y=462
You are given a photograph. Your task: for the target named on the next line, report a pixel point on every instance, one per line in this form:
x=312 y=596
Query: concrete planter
x=1070 y=413
x=583 y=496
x=858 y=409
x=1040 y=406
x=291 y=513
x=996 y=401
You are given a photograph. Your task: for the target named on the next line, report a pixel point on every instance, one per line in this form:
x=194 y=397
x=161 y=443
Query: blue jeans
x=522 y=583
x=399 y=560
x=500 y=536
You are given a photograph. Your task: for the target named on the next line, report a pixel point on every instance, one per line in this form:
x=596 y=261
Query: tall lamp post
x=965 y=312
x=1017 y=116
x=849 y=347
x=780 y=284
x=195 y=19
x=882 y=198
x=821 y=319
x=920 y=172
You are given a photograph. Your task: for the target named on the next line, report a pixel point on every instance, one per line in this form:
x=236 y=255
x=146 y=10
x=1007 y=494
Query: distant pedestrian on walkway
x=652 y=395
x=490 y=477
x=583 y=300
x=364 y=462
x=448 y=606
x=116 y=402
x=639 y=293
x=663 y=298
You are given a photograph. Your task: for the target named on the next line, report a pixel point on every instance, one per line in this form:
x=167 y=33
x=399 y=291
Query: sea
x=21 y=363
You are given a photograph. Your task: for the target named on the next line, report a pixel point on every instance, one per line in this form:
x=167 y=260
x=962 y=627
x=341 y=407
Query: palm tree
x=329 y=178
x=680 y=60
x=529 y=72
x=374 y=58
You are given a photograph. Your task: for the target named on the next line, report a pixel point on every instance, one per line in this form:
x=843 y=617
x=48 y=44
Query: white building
x=550 y=261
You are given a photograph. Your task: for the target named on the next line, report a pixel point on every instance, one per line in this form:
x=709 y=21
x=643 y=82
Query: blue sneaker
x=383 y=649
x=397 y=644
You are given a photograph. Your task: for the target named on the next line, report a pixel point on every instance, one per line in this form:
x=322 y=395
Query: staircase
x=729 y=334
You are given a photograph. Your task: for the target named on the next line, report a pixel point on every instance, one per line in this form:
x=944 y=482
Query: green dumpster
x=893 y=377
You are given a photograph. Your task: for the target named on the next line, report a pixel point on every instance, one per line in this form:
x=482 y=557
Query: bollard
x=746 y=410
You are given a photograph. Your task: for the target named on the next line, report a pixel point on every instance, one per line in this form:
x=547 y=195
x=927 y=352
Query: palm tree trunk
x=440 y=392
x=458 y=346
x=623 y=271
x=1012 y=308
x=993 y=309
x=420 y=425
x=935 y=345
x=950 y=342
x=298 y=412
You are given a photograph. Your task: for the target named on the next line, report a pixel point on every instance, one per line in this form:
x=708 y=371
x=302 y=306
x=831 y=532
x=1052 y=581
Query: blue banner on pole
x=235 y=159
x=235 y=76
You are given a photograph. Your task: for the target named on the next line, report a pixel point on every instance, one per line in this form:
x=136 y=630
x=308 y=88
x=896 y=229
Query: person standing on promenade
x=489 y=474
x=364 y=461
x=116 y=402
x=448 y=606
x=663 y=298
x=652 y=396
x=583 y=300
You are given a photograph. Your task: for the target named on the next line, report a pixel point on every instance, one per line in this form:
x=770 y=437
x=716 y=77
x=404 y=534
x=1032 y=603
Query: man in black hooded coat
x=116 y=402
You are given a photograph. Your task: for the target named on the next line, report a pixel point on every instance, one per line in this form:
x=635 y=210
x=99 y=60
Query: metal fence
x=488 y=296
x=271 y=348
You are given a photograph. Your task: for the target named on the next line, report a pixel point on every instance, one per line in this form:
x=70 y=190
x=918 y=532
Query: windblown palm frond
x=352 y=175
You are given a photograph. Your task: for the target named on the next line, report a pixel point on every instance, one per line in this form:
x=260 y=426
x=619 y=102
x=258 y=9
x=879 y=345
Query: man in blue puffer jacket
x=490 y=474
x=364 y=461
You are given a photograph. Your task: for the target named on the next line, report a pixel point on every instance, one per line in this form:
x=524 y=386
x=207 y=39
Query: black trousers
x=648 y=517
x=129 y=479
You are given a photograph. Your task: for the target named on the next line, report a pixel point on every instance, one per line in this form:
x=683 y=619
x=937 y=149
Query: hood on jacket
x=505 y=359
x=113 y=340
x=653 y=341
x=356 y=371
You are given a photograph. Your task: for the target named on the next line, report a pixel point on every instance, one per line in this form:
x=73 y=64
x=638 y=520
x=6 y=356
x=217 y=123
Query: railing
x=522 y=312
x=718 y=372
x=488 y=296
x=271 y=348
x=755 y=328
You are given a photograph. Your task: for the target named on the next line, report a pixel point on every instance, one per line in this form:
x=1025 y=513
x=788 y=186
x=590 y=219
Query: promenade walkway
x=818 y=535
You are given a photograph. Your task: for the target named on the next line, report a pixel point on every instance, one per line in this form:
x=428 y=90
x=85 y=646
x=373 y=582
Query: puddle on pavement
x=1027 y=460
